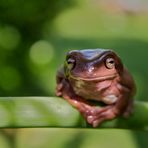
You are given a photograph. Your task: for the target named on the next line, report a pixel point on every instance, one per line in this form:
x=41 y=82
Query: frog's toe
x=90 y=119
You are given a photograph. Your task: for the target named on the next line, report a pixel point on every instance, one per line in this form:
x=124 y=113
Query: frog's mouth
x=100 y=78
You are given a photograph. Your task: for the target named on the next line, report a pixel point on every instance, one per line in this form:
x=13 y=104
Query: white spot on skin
x=91 y=69
x=110 y=99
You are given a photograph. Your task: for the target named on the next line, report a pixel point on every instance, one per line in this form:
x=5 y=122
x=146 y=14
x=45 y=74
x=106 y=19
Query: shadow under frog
x=96 y=74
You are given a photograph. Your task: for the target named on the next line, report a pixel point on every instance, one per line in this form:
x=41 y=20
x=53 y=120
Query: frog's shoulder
x=60 y=72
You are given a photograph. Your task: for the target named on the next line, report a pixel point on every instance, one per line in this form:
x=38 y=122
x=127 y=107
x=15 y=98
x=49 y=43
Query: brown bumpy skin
x=96 y=74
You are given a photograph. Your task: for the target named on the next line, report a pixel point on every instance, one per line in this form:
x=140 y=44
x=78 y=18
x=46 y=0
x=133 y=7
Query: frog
x=90 y=77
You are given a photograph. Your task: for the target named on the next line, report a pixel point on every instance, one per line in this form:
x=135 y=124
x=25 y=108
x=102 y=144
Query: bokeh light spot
x=9 y=37
x=41 y=52
x=9 y=78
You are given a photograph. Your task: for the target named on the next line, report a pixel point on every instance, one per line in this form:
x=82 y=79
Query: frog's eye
x=71 y=63
x=110 y=63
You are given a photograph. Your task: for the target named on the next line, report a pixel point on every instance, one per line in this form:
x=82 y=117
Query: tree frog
x=96 y=75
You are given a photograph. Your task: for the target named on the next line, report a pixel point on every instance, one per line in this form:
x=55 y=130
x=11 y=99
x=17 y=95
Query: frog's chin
x=100 y=78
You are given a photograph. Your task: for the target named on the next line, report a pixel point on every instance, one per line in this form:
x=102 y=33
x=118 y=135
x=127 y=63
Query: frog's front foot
x=96 y=115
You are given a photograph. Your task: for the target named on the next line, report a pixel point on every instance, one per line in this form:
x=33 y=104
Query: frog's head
x=92 y=64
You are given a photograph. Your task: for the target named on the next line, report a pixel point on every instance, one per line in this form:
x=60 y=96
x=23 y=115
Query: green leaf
x=56 y=112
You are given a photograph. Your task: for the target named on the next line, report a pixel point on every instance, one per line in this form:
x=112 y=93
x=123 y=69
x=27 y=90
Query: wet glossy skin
x=96 y=74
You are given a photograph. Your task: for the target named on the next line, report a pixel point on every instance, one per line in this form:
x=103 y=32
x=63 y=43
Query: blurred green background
x=35 y=35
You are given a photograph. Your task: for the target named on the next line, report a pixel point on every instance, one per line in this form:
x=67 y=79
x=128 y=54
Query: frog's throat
x=102 y=78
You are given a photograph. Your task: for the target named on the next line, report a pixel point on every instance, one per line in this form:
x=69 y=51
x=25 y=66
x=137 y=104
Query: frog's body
x=96 y=74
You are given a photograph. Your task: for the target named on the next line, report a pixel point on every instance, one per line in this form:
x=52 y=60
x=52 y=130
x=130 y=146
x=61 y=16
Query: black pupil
x=111 y=62
x=70 y=61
